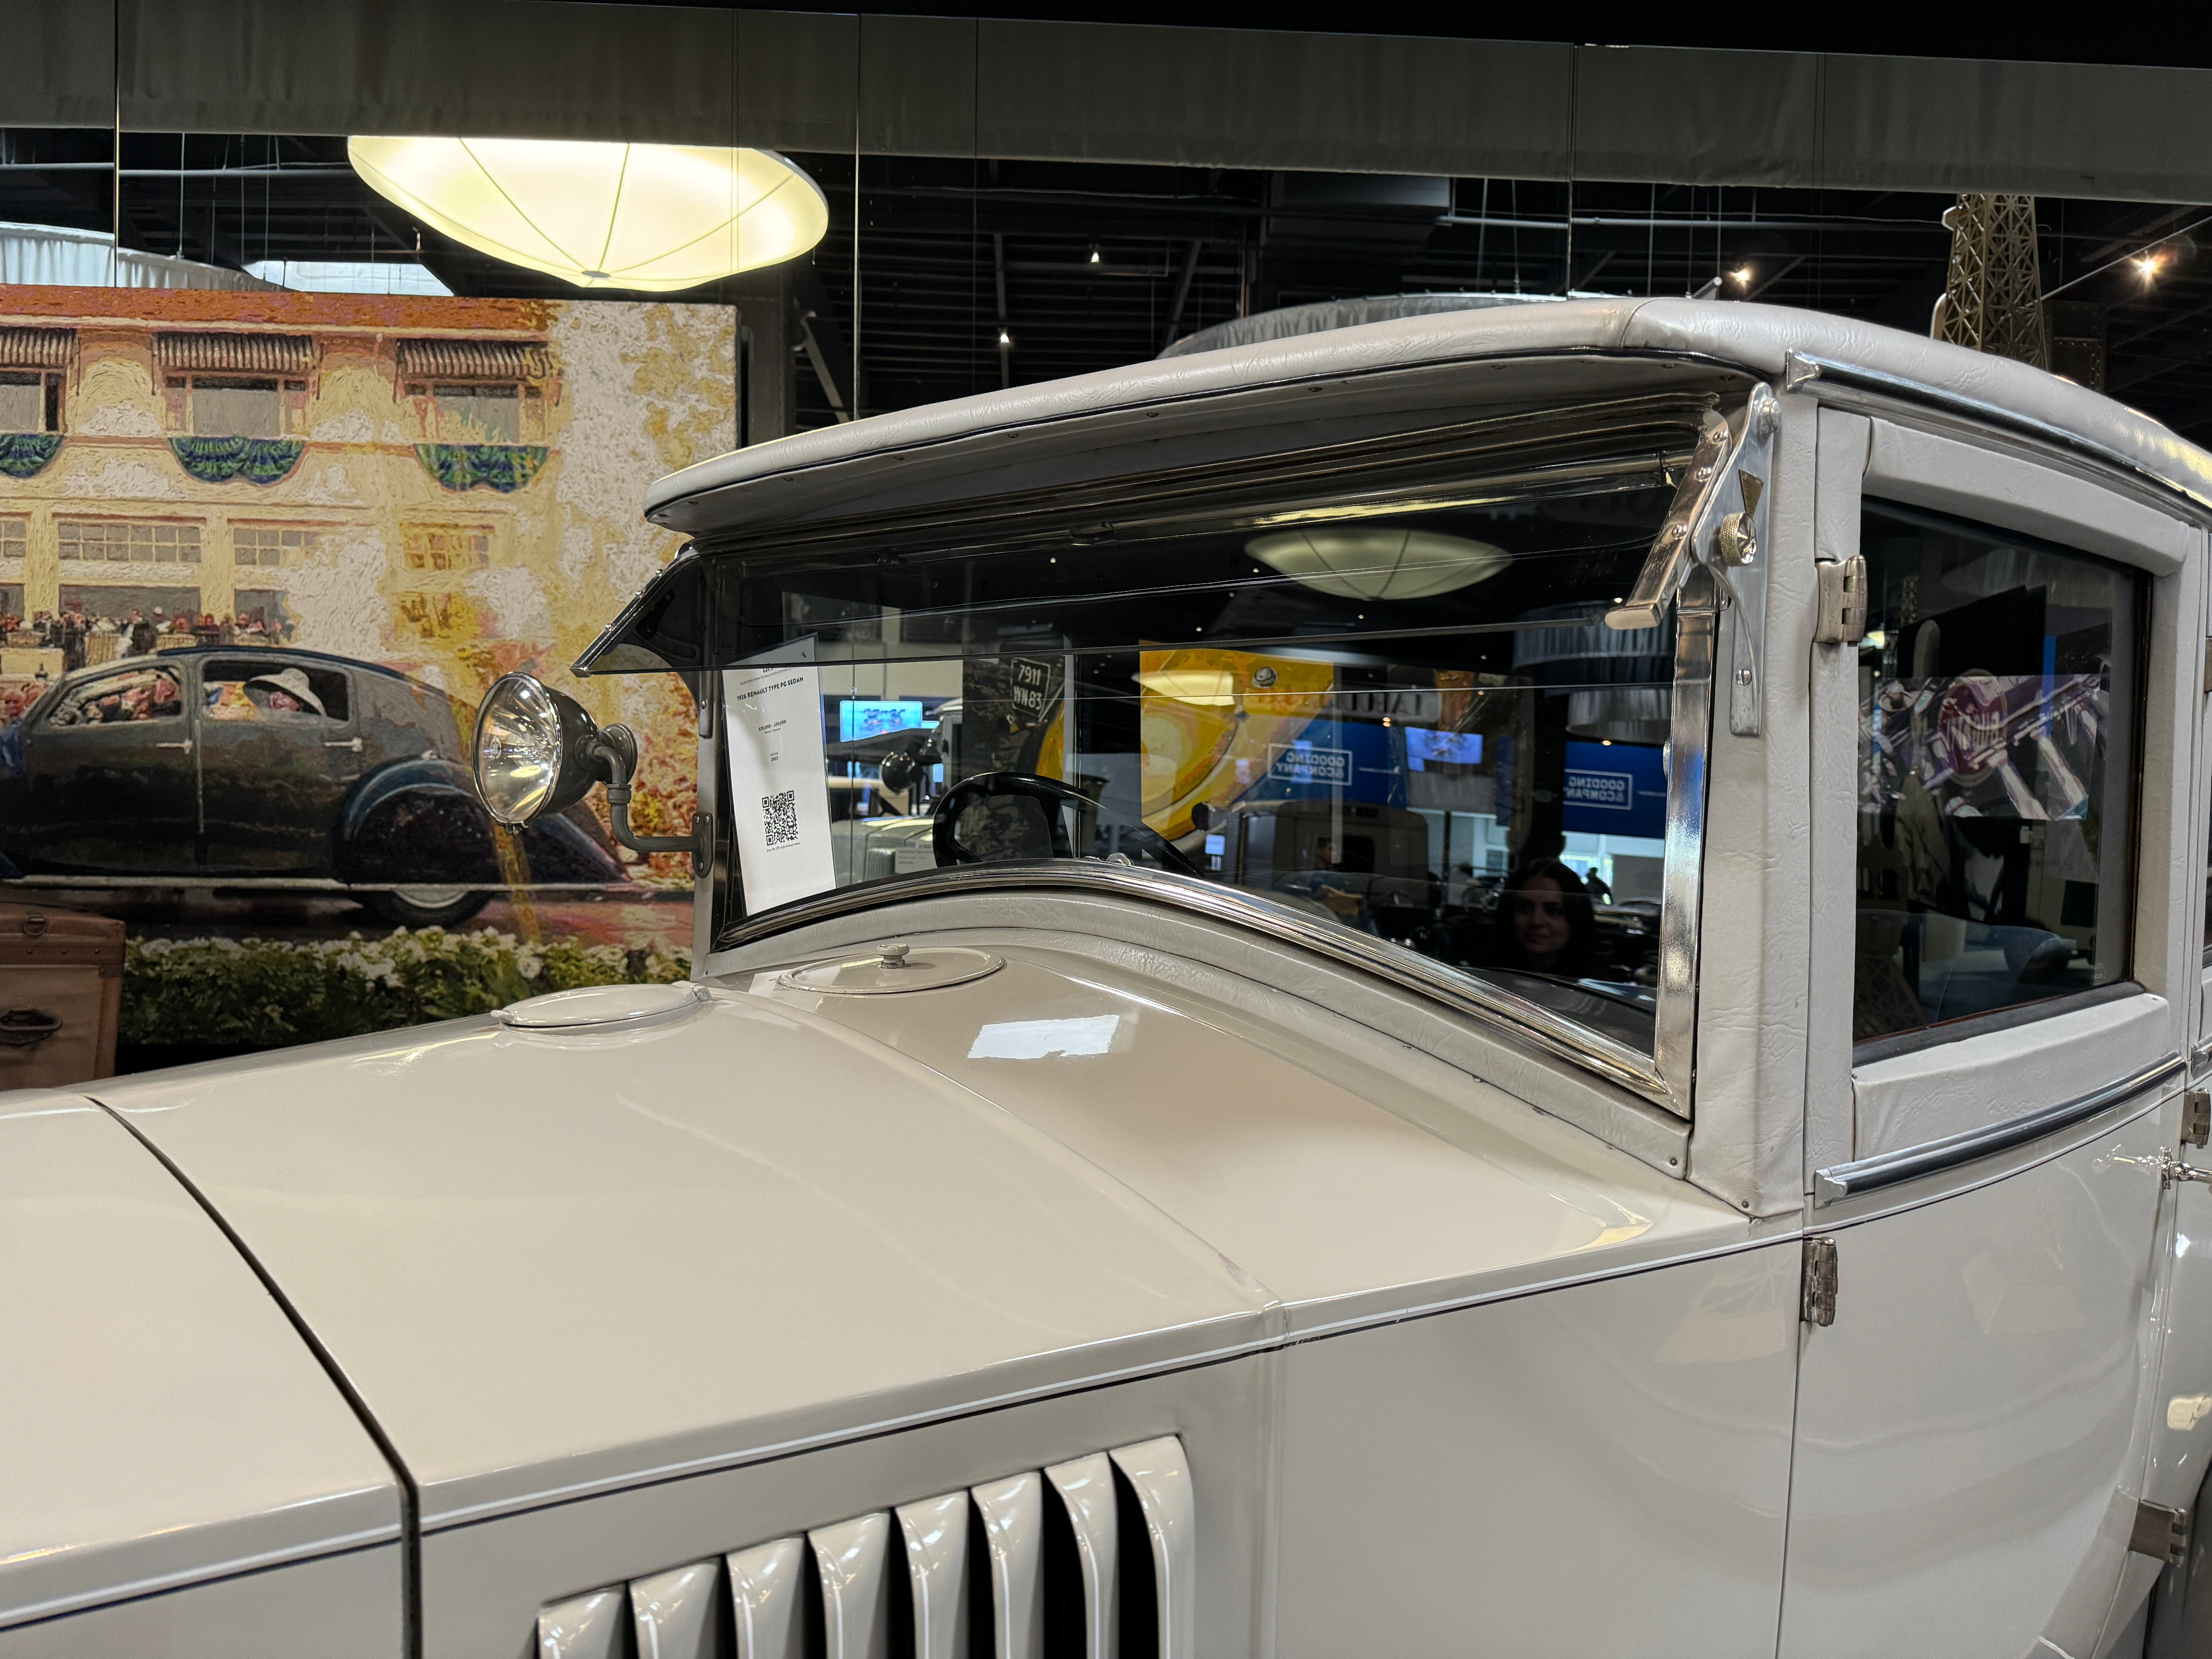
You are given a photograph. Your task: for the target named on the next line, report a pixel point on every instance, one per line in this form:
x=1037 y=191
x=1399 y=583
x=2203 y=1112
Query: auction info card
x=779 y=789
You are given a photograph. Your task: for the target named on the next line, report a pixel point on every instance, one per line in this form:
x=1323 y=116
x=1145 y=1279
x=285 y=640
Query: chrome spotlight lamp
x=537 y=753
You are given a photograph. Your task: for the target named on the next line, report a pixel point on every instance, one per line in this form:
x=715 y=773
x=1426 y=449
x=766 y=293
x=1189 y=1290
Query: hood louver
x=1061 y=1562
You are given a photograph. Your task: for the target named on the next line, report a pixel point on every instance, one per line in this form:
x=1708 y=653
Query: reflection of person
x=287 y=693
x=141 y=698
x=1544 y=922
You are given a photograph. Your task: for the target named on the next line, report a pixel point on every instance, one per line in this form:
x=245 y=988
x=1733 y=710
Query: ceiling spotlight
x=649 y=218
x=1005 y=339
x=2148 y=266
x=1740 y=276
x=1094 y=254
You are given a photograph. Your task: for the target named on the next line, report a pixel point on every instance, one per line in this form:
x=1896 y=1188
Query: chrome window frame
x=1663 y=1078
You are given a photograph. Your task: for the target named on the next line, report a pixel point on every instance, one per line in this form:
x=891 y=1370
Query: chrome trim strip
x=1697 y=627
x=1841 y=1180
x=1801 y=370
x=1615 y=1062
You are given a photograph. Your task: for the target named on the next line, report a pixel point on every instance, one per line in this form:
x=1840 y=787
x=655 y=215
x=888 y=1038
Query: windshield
x=1407 y=719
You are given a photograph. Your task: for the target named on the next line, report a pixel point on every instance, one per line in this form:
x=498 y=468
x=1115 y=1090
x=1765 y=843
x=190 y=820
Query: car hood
x=551 y=1263
x=161 y=1422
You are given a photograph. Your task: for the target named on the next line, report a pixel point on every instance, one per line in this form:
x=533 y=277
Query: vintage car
x=1057 y=1244
x=267 y=768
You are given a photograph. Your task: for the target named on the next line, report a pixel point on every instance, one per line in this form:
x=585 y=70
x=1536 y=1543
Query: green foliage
x=267 y=993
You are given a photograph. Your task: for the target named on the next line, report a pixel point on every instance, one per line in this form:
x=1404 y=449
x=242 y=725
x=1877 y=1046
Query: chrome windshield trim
x=1615 y=1062
x=1674 y=1041
x=1841 y=1180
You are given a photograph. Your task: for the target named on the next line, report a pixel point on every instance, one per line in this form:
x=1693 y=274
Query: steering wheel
x=1052 y=794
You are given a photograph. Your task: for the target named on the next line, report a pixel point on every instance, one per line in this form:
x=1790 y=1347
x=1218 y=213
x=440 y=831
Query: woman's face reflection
x=1538 y=910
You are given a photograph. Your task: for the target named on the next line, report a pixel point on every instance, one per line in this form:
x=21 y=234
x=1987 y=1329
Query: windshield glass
x=1409 y=721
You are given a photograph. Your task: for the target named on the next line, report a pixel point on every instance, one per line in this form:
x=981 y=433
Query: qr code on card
x=780 y=818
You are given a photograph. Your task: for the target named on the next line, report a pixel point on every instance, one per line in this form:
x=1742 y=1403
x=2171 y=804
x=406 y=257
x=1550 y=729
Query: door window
x=286 y=693
x=144 y=694
x=1999 y=681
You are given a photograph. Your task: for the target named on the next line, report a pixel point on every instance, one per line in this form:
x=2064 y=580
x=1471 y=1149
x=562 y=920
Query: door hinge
x=2195 y=1118
x=1843 y=615
x=1819 y=1306
x=2161 y=1533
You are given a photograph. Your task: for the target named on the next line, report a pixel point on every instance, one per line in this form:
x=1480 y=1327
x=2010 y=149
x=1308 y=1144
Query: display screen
x=857 y=718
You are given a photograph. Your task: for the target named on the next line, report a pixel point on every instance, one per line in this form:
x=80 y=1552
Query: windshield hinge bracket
x=1718 y=521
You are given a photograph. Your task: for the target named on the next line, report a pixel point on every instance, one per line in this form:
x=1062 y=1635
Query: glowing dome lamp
x=1378 y=562
x=649 y=218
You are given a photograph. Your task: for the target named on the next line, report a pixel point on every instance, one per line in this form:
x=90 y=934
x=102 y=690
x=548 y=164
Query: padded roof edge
x=724 y=492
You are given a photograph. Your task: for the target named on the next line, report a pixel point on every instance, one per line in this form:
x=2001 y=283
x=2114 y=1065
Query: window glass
x=446 y=547
x=145 y=693
x=22 y=403
x=265 y=691
x=122 y=542
x=272 y=544
x=480 y=414
x=237 y=409
x=1410 y=723
x=1999 y=681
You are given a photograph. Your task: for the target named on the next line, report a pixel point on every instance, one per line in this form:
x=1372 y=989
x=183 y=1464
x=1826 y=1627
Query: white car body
x=1412 y=1327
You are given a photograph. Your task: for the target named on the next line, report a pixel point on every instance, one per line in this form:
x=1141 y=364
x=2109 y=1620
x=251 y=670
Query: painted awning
x=36 y=347
x=474 y=360
x=236 y=353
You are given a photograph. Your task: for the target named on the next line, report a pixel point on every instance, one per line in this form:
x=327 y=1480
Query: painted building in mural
x=449 y=488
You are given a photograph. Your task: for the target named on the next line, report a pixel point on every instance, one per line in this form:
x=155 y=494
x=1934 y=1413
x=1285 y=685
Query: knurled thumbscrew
x=895 y=955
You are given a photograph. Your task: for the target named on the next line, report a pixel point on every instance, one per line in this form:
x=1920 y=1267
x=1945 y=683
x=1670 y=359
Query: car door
x=109 y=780
x=280 y=746
x=2001 y=771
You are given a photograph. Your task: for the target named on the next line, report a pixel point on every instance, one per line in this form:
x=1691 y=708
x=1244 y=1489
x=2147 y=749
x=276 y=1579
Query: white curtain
x=83 y=258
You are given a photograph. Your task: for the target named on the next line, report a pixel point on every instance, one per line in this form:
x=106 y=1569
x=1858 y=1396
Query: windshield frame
x=1413 y=473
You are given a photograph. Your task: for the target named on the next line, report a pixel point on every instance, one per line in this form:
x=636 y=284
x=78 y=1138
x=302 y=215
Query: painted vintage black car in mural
x=273 y=767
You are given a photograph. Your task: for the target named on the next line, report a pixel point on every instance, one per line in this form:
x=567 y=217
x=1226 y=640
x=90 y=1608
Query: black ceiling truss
x=1085 y=265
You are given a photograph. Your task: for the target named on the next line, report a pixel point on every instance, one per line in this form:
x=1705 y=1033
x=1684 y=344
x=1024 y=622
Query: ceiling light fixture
x=2148 y=266
x=1378 y=562
x=648 y=218
x=1208 y=688
x=1005 y=339
x=1094 y=254
x=1743 y=276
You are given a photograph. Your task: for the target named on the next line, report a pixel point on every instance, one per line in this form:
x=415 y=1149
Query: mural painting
x=261 y=553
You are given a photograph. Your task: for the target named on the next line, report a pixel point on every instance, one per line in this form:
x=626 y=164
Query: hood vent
x=1086 y=1559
